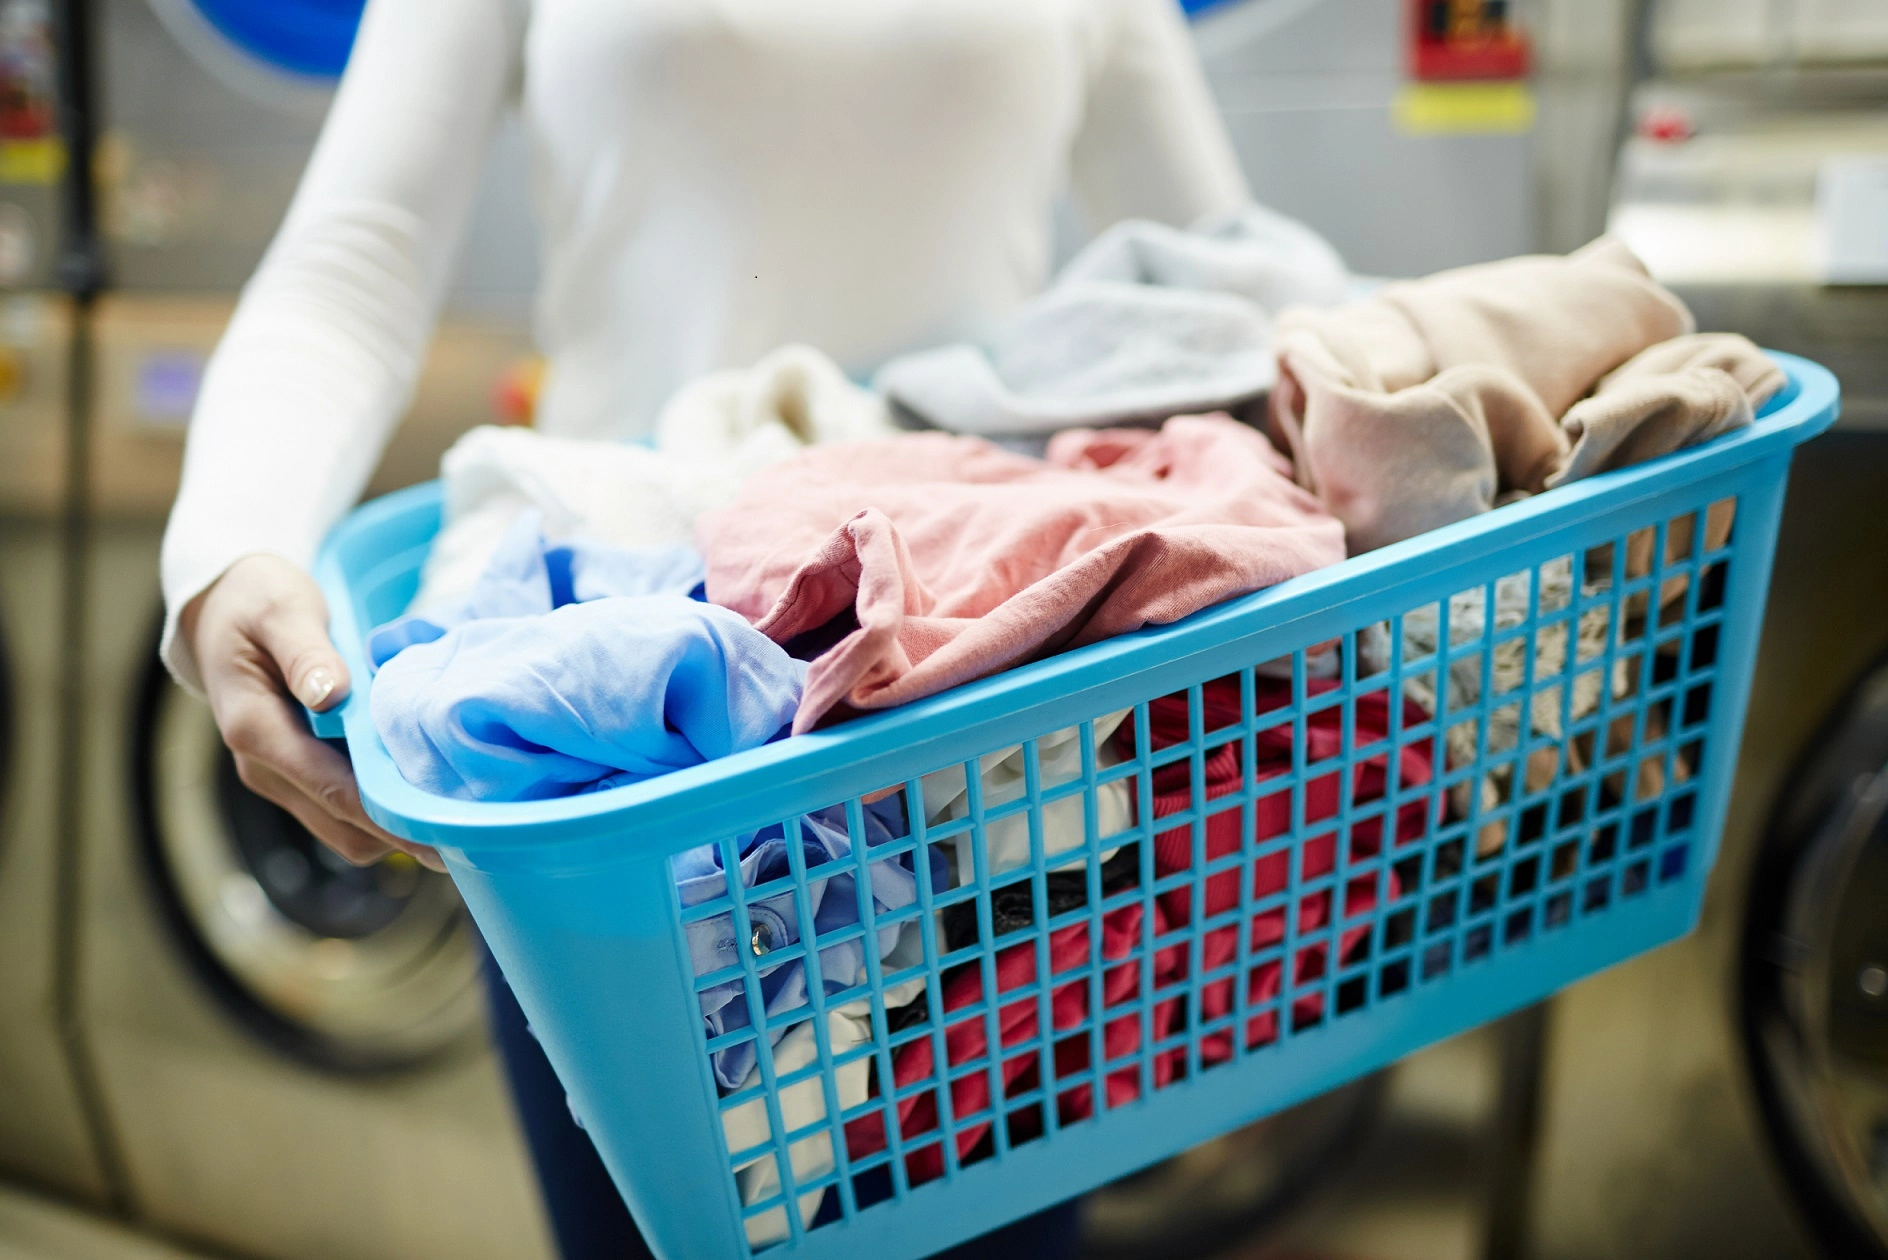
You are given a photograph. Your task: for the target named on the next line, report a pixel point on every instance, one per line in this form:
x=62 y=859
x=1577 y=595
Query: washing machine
x=47 y=1137
x=48 y=1133
x=208 y=1025
x=1727 y=1097
x=1655 y=1140
x=290 y=1052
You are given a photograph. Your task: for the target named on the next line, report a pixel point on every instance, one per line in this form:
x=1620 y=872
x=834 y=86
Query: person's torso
x=718 y=177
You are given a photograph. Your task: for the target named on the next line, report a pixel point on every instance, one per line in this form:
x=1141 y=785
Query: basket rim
x=476 y=832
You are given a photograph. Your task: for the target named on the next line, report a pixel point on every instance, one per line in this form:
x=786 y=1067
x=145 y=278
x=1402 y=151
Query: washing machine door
x=1815 y=978
x=352 y=968
x=303 y=38
x=6 y=726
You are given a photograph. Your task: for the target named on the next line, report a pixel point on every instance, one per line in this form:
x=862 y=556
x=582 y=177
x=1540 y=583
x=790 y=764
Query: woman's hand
x=260 y=634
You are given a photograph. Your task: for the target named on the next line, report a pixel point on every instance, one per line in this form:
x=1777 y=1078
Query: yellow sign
x=1486 y=108
x=40 y=161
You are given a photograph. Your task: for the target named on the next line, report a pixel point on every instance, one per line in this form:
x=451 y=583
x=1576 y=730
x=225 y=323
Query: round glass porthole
x=283 y=53
x=307 y=37
x=357 y=969
x=1815 y=979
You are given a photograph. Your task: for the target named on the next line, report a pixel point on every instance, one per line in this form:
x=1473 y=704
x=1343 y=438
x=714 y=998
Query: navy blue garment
x=588 y=1219
x=587 y=1216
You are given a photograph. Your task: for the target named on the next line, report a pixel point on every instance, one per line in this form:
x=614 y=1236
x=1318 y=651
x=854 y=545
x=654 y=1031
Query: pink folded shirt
x=961 y=559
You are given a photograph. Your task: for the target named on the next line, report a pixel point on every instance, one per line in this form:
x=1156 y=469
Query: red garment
x=960 y=559
x=1169 y=724
x=965 y=1041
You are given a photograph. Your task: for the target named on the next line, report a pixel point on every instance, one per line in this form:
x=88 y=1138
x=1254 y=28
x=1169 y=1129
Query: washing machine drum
x=356 y=968
x=1815 y=978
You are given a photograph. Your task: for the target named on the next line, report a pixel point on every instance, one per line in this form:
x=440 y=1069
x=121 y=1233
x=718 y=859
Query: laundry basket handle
x=329 y=725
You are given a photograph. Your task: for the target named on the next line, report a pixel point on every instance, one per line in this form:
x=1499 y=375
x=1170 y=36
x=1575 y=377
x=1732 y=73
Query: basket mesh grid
x=1099 y=914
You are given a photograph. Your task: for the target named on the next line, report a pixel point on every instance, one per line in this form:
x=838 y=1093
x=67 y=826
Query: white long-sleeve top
x=711 y=178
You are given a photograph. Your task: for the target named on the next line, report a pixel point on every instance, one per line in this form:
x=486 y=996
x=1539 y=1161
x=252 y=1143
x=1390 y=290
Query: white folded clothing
x=803 y=1103
x=712 y=436
x=1002 y=775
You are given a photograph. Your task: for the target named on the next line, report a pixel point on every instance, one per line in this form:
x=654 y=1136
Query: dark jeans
x=587 y=1215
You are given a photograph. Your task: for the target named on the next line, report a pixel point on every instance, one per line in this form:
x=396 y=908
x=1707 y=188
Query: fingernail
x=318 y=686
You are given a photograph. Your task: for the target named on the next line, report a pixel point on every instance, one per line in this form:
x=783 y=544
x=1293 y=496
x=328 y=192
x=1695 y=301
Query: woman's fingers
x=304 y=775
x=352 y=842
x=349 y=841
x=260 y=629
x=292 y=628
x=344 y=838
x=259 y=724
x=424 y=855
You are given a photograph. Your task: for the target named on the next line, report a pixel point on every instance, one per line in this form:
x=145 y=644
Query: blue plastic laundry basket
x=1563 y=682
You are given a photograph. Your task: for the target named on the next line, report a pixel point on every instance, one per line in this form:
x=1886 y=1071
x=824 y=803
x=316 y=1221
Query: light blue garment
x=551 y=681
x=774 y=922
x=528 y=577
x=587 y=697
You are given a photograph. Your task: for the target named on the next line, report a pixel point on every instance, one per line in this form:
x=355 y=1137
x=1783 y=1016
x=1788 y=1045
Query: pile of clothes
x=1223 y=409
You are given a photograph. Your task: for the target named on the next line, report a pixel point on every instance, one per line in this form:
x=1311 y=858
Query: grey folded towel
x=1147 y=322
x=1256 y=253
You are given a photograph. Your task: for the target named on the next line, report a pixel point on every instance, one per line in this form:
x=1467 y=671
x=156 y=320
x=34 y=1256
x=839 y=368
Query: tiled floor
x=33 y=1228
x=1413 y=1181
x=1416 y=1189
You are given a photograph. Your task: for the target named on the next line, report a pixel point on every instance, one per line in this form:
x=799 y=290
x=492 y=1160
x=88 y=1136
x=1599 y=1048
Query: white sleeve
x=321 y=356
x=1152 y=143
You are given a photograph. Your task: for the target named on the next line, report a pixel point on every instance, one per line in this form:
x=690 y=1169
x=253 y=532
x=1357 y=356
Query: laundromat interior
x=219 y=1039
